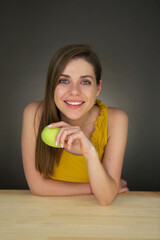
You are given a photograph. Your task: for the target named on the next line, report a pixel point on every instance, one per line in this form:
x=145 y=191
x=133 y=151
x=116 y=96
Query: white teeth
x=74 y=103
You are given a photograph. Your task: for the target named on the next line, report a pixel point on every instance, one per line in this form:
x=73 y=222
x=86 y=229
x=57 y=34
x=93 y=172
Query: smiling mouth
x=74 y=103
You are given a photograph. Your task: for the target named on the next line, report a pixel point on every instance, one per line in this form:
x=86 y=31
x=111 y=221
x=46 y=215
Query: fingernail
x=49 y=125
x=69 y=147
x=56 y=143
x=61 y=145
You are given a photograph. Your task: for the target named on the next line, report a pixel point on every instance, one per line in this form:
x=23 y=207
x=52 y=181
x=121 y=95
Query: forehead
x=78 y=66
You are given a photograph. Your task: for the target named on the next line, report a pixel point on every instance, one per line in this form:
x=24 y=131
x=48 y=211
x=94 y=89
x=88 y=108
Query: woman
x=92 y=136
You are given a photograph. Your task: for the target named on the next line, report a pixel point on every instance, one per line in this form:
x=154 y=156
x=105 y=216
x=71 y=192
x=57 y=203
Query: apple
x=48 y=136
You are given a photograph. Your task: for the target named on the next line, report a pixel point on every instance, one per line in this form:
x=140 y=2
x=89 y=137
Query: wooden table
x=133 y=215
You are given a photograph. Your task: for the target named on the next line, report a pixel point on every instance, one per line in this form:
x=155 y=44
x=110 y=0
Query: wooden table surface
x=133 y=215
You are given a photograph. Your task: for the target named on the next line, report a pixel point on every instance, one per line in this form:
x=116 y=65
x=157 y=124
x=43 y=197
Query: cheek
x=59 y=91
x=56 y=94
x=90 y=92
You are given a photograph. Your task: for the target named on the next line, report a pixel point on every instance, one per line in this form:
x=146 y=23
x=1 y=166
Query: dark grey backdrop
x=126 y=36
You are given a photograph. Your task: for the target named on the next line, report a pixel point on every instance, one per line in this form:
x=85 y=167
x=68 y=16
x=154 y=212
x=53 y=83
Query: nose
x=75 y=89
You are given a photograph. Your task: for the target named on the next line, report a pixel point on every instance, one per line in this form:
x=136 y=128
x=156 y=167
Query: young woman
x=93 y=136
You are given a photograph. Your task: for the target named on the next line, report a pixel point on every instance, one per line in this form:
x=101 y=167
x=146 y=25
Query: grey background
x=126 y=36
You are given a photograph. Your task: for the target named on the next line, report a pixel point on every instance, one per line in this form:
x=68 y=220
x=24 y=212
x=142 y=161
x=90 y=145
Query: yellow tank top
x=73 y=168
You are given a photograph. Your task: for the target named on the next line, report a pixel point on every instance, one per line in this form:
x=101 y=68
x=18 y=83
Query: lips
x=74 y=103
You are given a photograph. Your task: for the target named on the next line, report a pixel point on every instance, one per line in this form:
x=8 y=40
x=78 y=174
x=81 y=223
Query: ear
x=99 y=88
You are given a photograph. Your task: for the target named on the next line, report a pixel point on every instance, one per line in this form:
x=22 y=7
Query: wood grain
x=133 y=215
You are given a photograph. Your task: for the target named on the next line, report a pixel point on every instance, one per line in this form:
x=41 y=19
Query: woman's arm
x=38 y=184
x=105 y=177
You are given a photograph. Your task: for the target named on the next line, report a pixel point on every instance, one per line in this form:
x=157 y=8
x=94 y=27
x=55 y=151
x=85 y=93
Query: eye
x=63 y=81
x=86 y=82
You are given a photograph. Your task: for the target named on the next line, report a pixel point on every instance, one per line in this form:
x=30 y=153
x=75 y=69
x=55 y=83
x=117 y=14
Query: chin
x=73 y=117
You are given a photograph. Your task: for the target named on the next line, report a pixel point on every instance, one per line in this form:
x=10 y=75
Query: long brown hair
x=47 y=156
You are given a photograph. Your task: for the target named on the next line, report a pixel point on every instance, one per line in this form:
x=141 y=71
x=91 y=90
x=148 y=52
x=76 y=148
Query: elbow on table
x=37 y=190
x=105 y=203
x=34 y=191
x=39 y=186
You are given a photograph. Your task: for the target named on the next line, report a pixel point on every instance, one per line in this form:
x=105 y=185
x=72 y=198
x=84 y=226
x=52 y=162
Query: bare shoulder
x=32 y=109
x=116 y=114
x=116 y=119
x=32 y=114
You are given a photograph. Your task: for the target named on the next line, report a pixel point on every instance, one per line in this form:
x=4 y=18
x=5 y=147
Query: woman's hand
x=72 y=137
x=123 y=187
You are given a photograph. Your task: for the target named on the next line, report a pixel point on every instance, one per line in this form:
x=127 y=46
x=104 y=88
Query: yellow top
x=73 y=168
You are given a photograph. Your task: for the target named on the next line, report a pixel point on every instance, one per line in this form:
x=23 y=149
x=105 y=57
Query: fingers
x=65 y=131
x=123 y=187
x=76 y=136
x=123 y=190
x=68 y=134
x=123 y=183
x=64 y=135
x=58 y=124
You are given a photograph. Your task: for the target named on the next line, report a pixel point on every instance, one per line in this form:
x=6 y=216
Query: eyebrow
x=84 y=76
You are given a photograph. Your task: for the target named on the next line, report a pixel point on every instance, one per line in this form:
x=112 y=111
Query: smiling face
x=76 y=91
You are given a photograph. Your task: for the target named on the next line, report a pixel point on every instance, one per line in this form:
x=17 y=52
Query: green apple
x=48 y=136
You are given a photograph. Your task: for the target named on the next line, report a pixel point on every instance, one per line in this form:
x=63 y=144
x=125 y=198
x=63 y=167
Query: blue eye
x=63 y=81
x=86 y=82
